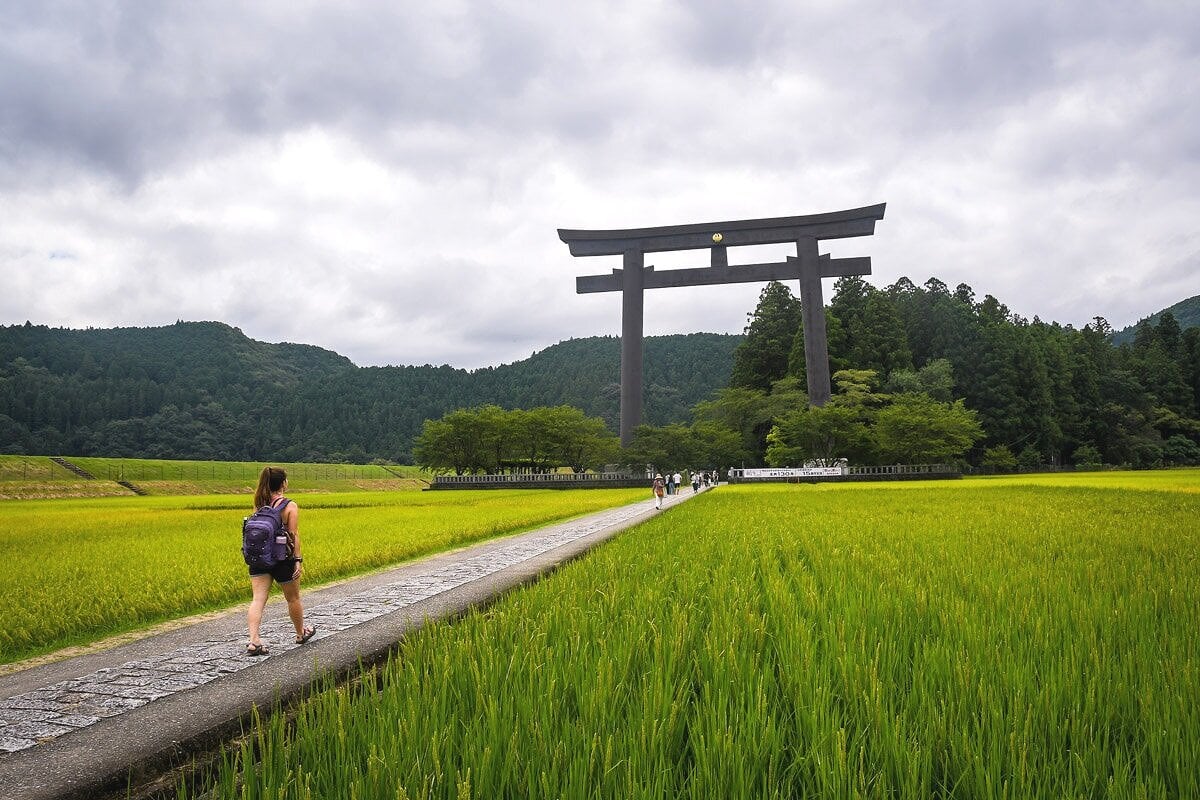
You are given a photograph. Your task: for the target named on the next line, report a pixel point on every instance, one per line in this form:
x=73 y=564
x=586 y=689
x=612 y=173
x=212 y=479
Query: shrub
x=1030 y=458
x=1087 y=457
x=999 y=458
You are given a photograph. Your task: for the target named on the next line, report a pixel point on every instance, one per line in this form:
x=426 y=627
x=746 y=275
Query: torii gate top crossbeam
x=775 y=230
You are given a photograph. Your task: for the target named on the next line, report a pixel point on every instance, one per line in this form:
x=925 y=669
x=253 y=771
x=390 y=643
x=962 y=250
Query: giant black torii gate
x=808 y=266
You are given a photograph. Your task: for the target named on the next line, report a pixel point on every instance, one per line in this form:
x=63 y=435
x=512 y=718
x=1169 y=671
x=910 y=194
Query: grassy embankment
x=74 y=571
x=37 y=477
x=1029 y=637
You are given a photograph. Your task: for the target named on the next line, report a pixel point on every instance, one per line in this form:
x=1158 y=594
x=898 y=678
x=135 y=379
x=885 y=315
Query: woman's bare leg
x=291 y=593
x=260 y=585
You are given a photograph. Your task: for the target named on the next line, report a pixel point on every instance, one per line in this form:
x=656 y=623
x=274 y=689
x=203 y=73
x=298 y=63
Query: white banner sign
x=791 y=472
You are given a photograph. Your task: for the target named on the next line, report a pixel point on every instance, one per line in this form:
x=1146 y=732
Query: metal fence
x=891 y=472
x=540 y=480
x=906 y=469
x=235 y=472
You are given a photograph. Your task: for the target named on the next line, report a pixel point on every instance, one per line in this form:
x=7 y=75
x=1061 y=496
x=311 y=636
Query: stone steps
x=67 y=465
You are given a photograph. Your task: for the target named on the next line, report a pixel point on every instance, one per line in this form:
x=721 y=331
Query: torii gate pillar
x=808 y=266
x=812 y=317
x=631 y=343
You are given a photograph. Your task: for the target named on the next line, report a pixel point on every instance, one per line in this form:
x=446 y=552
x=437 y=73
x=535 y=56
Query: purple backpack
x=264 y=541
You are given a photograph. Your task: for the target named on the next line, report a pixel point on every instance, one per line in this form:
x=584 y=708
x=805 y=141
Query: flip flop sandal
x=309 y=632
x=256 y=650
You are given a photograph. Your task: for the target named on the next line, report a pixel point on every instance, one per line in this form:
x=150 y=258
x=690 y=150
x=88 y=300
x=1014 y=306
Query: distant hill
x=1186 y=312
x=204 y=390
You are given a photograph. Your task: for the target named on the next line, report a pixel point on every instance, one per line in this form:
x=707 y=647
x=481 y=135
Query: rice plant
x=73 y=571
x=991 y=639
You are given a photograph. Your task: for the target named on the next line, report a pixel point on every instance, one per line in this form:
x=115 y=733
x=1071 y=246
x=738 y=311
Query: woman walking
x=272 y=483
x=658 y=487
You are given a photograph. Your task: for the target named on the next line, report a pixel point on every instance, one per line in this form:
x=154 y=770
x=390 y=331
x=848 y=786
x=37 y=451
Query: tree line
x=910 y=363
x=492 y=440
x=740 y=427
x=489 y=439
x=1041 y=393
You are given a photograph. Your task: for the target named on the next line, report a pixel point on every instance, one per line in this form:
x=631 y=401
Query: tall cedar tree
x=762 y=358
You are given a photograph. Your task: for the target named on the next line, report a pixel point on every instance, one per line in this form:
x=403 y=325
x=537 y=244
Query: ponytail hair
x=269 y=480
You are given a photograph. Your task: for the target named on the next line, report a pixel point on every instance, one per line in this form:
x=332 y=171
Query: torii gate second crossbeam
x=808 y=266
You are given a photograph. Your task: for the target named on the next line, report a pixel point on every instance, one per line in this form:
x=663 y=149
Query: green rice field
x=1003 y=638
x=74 y=571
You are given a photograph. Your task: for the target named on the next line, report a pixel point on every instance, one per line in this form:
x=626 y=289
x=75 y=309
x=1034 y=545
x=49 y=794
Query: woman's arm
x=291 y=521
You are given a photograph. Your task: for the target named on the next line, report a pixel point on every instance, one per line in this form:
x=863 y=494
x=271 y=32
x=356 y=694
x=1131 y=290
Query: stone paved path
x=47 y=713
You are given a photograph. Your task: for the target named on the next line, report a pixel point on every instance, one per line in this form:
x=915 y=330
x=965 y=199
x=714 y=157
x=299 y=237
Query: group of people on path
x=670 y=484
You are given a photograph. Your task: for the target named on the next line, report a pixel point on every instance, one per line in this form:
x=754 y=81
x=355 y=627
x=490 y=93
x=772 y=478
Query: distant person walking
x=677 y=479
x=272 y=483
x=659 y=490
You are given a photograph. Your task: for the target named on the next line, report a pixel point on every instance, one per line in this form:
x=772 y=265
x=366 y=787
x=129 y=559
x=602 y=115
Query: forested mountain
x=205 y=390
x=1186 y=313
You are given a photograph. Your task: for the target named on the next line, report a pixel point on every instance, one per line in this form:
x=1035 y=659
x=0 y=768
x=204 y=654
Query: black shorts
x=281 y=572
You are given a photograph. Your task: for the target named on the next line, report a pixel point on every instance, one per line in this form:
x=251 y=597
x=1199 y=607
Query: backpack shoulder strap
x=283 y=501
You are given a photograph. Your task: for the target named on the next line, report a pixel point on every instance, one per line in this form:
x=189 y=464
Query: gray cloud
x=402 y=173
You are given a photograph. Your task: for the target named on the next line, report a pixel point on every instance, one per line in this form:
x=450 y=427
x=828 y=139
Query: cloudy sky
x=385 y=179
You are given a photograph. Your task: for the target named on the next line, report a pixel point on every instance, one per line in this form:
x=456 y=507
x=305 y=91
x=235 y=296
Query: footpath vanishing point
x=99 y=724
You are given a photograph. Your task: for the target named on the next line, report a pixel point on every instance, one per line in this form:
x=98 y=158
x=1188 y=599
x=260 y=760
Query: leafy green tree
x=818 y=434
x=670 y=447
x=1052 y=341
x=535 y=438
x=1179 y=450
x=1168 y=423
x=584 y=442
x=1029 y=458
x=14 y=438
x=435 y=449
x=1090 y=357
x=1191 y=363
x=856 y=388
x=1159 y=361
x=935 y=379
x=999 y=458
x=917 y=429
x=880 y=342
x=1087 y=457
x=1130 y=436
x=747 y=411
x=762 y=357
x=870 y=331
x=787 y=394
x=719 y=447
x=840 y=429
x=463 y=441
x=938 y=324
x=498 y=437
